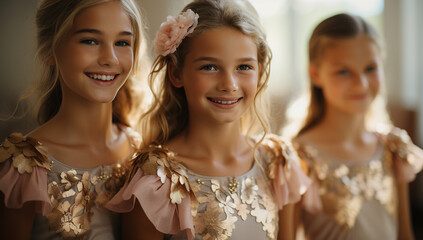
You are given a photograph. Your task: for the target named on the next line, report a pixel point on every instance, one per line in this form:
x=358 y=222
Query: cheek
x=250 y=84
x=201 y=83
x=75 y=61
x=126 y=57
x=334 y=86
x=334 y=90
x=375 y=86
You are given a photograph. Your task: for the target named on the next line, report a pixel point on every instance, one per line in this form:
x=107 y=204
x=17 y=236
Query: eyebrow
x=246 y=59
x=95 y=31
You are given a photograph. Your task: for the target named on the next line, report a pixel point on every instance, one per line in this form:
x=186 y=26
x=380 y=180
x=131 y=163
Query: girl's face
x=349 y=74
x=220 y=75
x=96 y=57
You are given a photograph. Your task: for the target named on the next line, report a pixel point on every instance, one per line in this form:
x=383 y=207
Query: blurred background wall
x=289 y=24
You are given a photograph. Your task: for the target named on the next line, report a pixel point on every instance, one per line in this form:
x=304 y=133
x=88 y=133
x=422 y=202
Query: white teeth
x=224 y=102
x=102 y=77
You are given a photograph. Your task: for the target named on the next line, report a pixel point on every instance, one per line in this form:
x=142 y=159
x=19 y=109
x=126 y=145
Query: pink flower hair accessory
x=173 y=31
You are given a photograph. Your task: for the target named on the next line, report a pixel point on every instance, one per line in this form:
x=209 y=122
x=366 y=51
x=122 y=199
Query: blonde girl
x=55 y=180
x=360 y=165
x=204 y=176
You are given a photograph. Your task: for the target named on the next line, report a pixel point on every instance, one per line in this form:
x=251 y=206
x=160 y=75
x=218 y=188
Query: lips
x=224 y=101
x=102 y=76
x=358 y=96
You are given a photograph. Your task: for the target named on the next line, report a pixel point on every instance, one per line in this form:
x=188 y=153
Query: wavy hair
x=54 y=19
x=168 y=115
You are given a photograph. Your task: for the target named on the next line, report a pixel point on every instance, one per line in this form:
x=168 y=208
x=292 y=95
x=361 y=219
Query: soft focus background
x=288 y=25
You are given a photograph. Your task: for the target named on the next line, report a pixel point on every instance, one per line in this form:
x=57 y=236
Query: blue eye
x=208 y=68
x=122 y=44
x=244 y=67
x=88 y=41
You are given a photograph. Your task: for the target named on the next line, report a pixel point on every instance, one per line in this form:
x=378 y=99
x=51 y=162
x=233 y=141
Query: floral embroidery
x=67 y=220
x=74 y=195
x=401 y=147
x=26 y=153
x=173 y=31
x=278 y=154
x=69 y=179
x=72 y=220
x=112 y=182
x=249 y=190
x=222 y=203
x=343 y=188
x=160 y=162
x=216 y=205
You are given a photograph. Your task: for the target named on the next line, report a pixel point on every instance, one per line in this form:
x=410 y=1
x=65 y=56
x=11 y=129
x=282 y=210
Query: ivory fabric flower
x=173 y=31
x=67 y=220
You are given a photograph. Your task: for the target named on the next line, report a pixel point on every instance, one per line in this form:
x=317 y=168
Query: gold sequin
x=233 y=184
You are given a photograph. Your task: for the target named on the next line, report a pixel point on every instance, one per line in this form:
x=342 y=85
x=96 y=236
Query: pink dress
x=186 y=205
x=358 y=200
x=69 y=201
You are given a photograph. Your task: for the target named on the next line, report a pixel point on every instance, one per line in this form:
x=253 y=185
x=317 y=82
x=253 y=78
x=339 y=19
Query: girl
x=55 y=180
x=203 y=177
x=359 y=173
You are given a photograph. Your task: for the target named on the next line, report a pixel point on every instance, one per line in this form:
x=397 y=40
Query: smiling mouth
x=224 y=102
x=102 y=77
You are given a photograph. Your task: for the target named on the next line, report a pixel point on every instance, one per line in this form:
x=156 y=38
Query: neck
x=85 y=121
x=342 y=126
x=214 y=141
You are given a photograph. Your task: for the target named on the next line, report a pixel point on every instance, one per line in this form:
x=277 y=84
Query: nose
x=228 y=82
x=107 y=55
x=361 y=81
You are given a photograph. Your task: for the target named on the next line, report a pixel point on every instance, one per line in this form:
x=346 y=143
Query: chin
x=357 y=111
x=227 y=120
x=104 y=99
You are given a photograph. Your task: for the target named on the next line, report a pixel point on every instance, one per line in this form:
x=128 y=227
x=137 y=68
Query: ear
x=314 y=74
x=174 y=76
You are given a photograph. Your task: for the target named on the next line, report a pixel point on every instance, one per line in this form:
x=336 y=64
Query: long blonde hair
x=168 y=115
x=339 y=26
x=54 y=19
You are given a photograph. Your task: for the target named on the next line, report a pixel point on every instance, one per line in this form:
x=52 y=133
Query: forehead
x=224 y=41
x=358 y=48
x=109 y=15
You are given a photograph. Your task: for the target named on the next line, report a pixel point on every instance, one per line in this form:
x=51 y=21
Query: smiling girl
x=55 y=180
x=205 y=176
x=360 y=167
